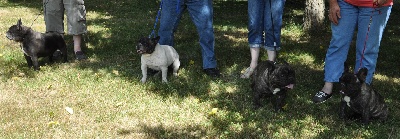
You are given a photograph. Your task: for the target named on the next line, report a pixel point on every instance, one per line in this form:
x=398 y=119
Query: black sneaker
x=79 y=55
x=321 y=97
x=212 y=72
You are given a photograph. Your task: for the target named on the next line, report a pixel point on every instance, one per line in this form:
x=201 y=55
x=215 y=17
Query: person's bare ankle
x=327 y=88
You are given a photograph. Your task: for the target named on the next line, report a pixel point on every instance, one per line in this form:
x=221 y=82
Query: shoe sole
x=322 y=101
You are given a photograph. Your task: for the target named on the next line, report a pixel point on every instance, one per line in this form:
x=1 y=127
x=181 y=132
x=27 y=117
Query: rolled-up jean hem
x=272 y=48
x=255 y=45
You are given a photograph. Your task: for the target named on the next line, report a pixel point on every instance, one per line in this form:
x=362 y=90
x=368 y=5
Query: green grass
x=110 y=102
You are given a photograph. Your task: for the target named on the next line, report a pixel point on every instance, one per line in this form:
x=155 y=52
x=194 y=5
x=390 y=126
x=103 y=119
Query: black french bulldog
x=272 y=80
x=359 y=99
x=35 y=44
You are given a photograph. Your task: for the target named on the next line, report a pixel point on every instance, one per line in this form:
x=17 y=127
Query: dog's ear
x=271 y=64
x=155 y=40
x=19 y=24
x=362 y=74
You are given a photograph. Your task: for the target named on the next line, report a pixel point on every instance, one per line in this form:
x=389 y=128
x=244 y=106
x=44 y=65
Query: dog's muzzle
x=9 y=36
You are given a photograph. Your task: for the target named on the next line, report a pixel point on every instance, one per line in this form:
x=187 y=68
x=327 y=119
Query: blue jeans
x=201 y=13
x=353 y=18
x=265 y=19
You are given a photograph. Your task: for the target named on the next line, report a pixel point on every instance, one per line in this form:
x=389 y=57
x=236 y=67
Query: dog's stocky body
x=157 y=57
x=272 y=80
x=360 y=99
x=35 y=44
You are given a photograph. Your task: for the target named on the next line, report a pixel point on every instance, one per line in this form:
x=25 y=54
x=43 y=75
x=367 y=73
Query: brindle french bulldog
x=359 y=98
x=272 y=80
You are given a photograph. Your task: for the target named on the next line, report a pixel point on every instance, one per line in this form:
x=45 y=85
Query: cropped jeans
x=201 y=13
x=265 y=22
x=370 y=24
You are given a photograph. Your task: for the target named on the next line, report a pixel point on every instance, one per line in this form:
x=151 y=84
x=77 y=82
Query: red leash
x=366 y=39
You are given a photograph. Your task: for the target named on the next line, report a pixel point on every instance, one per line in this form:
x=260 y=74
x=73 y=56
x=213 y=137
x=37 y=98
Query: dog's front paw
x=143 y=80
x=164 y=80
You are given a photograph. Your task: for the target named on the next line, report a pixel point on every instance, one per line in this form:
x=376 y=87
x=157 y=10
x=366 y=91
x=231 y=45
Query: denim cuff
x=272 y=48
x=255 y=45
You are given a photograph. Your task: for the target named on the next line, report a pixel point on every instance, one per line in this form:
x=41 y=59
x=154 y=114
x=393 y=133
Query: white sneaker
x=247 y=73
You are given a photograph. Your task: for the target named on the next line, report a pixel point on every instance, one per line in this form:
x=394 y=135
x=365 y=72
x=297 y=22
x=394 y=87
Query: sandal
x=246 y=74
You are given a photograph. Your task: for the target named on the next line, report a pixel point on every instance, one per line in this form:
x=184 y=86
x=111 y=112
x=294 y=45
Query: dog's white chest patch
x=347 y=99
x=25 y=52
x=276 y=90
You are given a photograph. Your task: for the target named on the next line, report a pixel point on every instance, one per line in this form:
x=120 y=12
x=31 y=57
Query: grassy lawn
x=109 y=101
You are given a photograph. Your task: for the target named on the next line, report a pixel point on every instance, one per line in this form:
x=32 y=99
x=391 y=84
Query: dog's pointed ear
x=271 y=64
x=19 y=24
x=362 y=74
x=156 y=39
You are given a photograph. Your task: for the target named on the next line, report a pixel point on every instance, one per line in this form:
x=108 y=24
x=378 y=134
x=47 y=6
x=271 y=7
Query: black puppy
x=35 y=44
x=359 y=99
x=271 y=79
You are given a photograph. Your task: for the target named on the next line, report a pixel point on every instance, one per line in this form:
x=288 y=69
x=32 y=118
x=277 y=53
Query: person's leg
x=371 y=24
x=254 y=52
x=53 y=11
x=255 y=34
x=76 y=23
x=272 y=27
x=201 y=13
x=169 y=21
x=336 y=55
x=77 y=42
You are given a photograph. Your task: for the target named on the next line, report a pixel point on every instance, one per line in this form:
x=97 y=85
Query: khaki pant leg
x=76 y=16
x=53 y=15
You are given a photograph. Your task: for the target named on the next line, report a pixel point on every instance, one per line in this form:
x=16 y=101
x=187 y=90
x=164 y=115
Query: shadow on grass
x=114 y=50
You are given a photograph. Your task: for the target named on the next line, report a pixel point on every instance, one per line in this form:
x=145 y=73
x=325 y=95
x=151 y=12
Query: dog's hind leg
x=164 y=71
x=63 y=49
x=176 y=65
x=64 y=54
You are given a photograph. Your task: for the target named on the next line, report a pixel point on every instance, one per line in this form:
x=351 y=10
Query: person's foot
x=212 y=72
x=247 y=73
x=321 y=96
x=79 y=55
